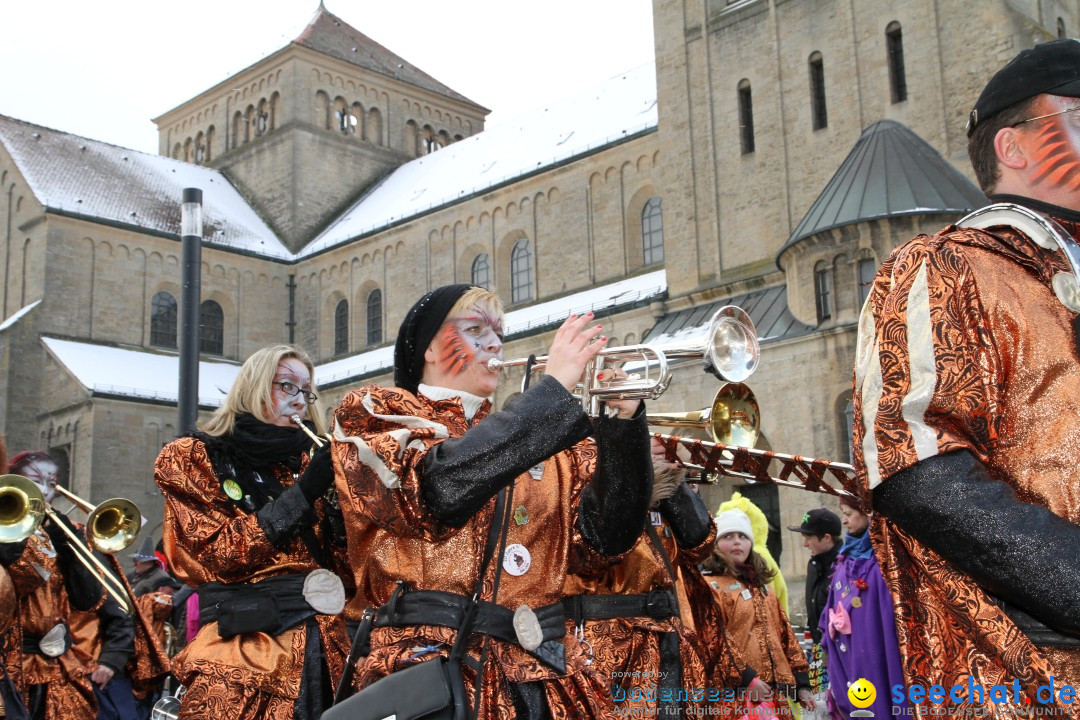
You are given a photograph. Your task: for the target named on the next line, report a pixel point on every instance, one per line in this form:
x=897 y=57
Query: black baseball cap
x=1052 y=67
x=818 y=521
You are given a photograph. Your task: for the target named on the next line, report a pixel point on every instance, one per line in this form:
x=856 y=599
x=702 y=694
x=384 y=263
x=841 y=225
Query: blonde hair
x=486 y=300
x=251 y=392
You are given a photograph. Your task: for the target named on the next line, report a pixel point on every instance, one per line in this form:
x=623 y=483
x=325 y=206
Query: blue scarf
x=857 y=545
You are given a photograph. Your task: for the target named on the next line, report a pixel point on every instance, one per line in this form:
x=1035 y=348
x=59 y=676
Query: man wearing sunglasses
x=967 y=412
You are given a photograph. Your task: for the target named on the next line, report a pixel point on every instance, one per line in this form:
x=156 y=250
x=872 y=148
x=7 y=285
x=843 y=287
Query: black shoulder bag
x=433 y=689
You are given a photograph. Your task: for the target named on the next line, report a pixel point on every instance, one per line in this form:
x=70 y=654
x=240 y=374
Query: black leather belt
x=658 y=605
x=1040 y=635
x=272 y=605
x=433 y=607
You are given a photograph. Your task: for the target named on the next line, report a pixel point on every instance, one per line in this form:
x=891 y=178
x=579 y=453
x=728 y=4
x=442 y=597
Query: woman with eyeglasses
x=247 y=524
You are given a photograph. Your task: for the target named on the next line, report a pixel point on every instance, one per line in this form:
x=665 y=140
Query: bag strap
x=654 y=538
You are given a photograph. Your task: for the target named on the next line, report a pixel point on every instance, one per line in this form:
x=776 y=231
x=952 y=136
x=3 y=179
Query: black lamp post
x=191 y=230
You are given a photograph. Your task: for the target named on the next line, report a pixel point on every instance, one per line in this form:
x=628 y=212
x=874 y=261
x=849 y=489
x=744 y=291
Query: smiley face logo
x=861 y=693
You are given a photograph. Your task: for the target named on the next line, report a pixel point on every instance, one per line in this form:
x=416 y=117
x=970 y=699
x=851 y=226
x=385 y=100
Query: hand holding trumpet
x=576 y=343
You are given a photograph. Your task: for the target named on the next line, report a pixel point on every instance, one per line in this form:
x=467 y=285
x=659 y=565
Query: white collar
x=469 y=403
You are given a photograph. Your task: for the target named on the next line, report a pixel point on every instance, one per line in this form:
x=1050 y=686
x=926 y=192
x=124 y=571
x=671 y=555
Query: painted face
x=816 y=545
x=735 y=545
x=43 y=474
x=852 y=519
x=1053 y=145
x=457 y=357
x=292 y=376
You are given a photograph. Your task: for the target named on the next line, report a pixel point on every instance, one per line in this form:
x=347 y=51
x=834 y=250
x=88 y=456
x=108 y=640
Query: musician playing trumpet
x=246 y=524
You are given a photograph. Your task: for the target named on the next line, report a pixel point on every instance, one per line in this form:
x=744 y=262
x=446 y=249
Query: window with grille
x=481 y=272
x=521 y=286
x=817 y=92
x=823 y=293
x=341 y=328
x=746 y=118
x=894 y=41
x=163 y=320
x=211 y=328
x=374 y=317
x=652 y=232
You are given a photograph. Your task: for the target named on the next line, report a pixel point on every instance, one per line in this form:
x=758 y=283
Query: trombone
x=729 y=351
x=110 y=527
x=733 y=421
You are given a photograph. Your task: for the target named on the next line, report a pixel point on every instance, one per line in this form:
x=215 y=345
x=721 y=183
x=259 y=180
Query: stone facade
x=275 y=130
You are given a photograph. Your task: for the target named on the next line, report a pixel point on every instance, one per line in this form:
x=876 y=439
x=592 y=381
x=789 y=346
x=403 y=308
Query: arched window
x=163 y=320
x=867 y=270
x=817 y=91
x=341 y=328
x=481 y=271
x=374 y=317
x=746 y=117
x=1061 y=28
x=521 y=272
x=894 y=41
x=373 y=127
x=211 y=328
x=652 y=232
x=846 y=436
x=823 y=291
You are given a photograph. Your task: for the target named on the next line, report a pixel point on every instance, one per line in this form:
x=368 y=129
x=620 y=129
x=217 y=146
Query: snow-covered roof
x=102 y=182
x=18 y=314
x=617 y=294
x=137 y=373
x=616 y=109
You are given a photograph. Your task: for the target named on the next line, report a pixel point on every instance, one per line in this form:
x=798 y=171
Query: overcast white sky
x=104 y=69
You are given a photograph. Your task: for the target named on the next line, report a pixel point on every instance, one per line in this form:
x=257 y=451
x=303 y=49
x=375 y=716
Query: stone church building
x=771 y=157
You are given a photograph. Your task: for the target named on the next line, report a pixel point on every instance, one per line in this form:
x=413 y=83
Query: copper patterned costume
x=210 y=538
x=760 y=628
x=661 y=662
x=385 y=448
x=964 y=350
x=44 y=602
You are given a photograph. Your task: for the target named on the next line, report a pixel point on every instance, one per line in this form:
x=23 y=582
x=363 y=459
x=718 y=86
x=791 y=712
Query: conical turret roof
x=890 y=171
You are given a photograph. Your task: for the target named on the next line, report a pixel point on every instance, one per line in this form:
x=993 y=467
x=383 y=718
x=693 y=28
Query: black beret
x=1052 y=67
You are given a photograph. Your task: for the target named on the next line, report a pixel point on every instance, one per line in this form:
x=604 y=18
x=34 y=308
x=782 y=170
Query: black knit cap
x=418 y=330
x=1052 y=67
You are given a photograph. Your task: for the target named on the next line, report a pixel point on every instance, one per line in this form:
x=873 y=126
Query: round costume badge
x=516 y=559
x=232 y=489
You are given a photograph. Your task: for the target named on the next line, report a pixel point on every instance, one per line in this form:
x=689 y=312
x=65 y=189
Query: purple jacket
x=862 y=641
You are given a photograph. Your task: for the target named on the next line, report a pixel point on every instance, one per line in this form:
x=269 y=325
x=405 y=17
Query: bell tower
x=305 y=131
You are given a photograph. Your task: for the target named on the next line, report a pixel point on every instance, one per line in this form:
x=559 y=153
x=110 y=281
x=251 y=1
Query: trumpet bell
x=733 y=418
x=733 y=352
x=113 y=525
x=22 y=508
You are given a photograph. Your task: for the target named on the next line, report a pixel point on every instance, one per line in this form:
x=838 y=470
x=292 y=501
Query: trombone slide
x=754 y=465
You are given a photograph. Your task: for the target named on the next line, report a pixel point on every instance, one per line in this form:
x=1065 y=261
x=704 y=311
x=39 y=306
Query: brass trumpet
x=110 y=527
x=729 y=351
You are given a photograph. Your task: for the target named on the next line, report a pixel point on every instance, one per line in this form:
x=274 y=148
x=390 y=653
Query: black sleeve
x=615 y=505
x=117 y=630
x=688 y=517
x=11 y=551
x=83 y=585
x=461 y=474
x=1020 y=552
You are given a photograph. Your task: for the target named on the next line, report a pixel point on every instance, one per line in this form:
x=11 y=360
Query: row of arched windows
x=196 y=149
x=163 y=324
x=819 y=113
x=353 y=119
x=425 y=140
x=256 y=120
x=374 y=329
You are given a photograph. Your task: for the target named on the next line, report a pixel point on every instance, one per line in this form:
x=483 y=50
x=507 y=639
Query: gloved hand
x=56 y=534
x=319 y=475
